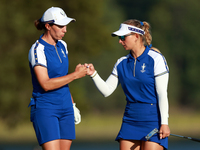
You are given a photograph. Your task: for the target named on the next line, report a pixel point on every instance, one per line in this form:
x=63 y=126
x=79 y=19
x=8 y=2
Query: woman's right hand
x=90 y=69
x=81 y=71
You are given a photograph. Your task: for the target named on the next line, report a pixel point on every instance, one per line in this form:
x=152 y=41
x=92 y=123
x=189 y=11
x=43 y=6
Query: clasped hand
x=90 y=69
x=86 y=69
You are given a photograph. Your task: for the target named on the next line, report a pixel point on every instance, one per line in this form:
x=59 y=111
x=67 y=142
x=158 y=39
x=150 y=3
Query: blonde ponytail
x=147 y=35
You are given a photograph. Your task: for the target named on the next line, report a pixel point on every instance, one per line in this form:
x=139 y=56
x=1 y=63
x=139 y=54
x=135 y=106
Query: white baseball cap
x=56 y=16
x=126 y=29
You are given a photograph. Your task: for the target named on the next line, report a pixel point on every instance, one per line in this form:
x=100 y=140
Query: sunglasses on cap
x=123 y=37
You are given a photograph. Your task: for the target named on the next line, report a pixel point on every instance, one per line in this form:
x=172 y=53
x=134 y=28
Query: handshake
x=83 y=70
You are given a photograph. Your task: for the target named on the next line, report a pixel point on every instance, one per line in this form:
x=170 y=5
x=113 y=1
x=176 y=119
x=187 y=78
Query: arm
x=105 y=87
x=161 y=88
x=54 y=83
x=108 y=87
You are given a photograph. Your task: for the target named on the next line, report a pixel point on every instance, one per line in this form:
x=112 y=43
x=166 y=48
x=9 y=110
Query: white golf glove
x=77 y=115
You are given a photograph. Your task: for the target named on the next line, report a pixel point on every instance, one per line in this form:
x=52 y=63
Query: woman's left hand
x=164 y=131
x=77 y=115
x=90 y=69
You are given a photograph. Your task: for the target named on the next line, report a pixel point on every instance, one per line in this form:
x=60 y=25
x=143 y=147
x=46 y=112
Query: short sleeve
x=160 y=63
x=37 y=55
x=161 y=66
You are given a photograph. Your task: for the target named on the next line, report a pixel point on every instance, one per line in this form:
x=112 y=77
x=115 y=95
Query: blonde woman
x=143 y=75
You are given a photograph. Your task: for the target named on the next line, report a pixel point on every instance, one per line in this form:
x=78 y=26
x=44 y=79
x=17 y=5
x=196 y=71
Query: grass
x=23 y=132
x=185 y=122
x=105 y=127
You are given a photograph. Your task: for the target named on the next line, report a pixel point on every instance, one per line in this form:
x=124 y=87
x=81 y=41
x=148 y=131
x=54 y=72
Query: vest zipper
x=58 y=55
x=134 y=67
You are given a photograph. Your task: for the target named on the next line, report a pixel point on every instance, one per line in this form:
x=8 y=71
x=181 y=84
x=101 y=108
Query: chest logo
x=143 y=68
x=63 y=53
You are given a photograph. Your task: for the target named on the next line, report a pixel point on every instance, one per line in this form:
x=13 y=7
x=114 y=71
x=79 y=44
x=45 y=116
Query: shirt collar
x=131 y=58
x=47 y=44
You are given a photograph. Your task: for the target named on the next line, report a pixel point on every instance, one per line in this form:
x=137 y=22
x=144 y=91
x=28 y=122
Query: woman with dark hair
x=53 y=112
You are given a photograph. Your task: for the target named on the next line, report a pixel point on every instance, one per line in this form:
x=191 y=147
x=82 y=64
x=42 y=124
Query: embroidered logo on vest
x=143 y=68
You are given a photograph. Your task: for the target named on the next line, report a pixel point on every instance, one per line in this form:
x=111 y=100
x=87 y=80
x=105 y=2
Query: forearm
x=164 y=107
x=106 y=88
x=55 y=83
x=161 y=87
x=48 y=83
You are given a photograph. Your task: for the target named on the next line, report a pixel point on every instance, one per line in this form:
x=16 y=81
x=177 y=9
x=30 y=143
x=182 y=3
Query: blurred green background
x=174 y=26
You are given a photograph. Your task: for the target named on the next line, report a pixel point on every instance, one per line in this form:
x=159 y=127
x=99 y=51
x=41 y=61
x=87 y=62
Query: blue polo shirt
x=55 y=59
x=137 y=76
